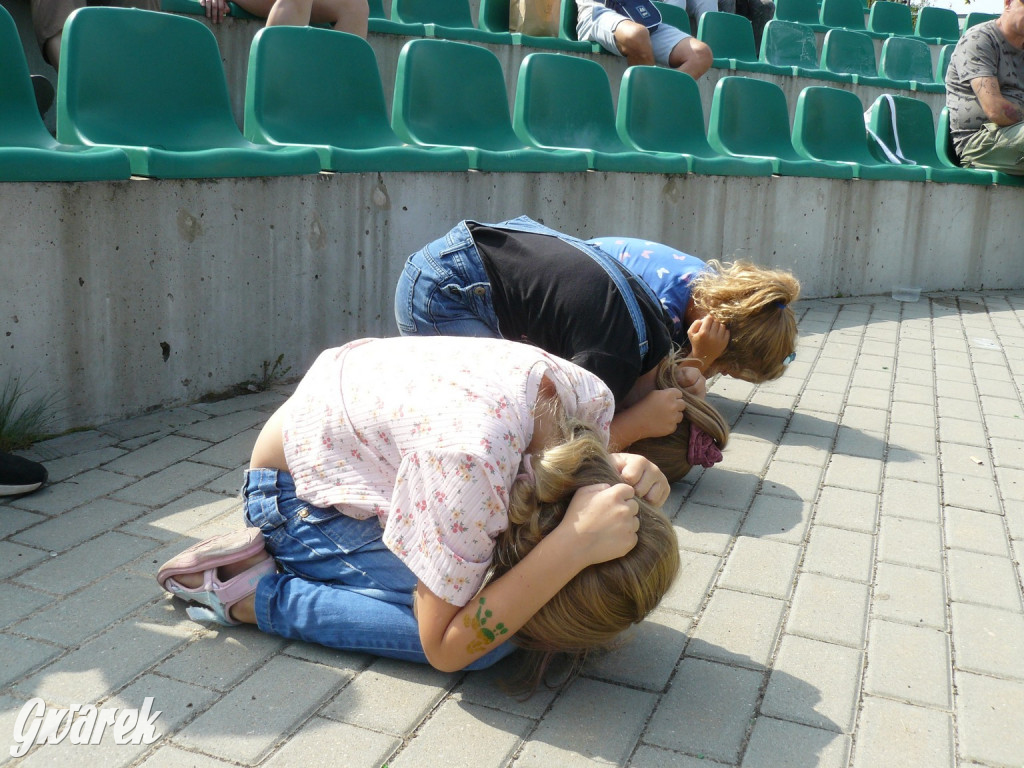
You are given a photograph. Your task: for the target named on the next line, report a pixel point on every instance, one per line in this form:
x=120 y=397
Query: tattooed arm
x=998 y=108
x=599 y=525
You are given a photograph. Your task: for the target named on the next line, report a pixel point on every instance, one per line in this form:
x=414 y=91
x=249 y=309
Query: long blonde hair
x=671 y=452
x=754 y=304
x=603 y=599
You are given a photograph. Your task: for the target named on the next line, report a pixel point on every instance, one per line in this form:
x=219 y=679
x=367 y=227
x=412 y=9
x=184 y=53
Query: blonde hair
x=754 y=304
x=671 y=452
x=603 y=599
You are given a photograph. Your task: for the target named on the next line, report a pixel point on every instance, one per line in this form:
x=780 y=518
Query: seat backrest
x=802 y=11
x=161 y=84
x=377 y=9
x=750 y=117
x=829 y=124
x=348 y=110
x=849 y=52
x=642 y=120
x=565 y=101
x=906 y=58
x=567 y=20
x=937 y=22
x=493 y=15
x=789 y=44
x=21 y=121
x=445 y=13
x=845 y=14
x=942 y=63
x=730 y=35
x=914 y=124
x=451 y=93
x=892 y=18
x=944 y=147
x=976 y=17
x=674 y=15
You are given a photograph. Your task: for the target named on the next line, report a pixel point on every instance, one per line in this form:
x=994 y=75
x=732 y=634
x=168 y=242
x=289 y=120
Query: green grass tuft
x=24 y=418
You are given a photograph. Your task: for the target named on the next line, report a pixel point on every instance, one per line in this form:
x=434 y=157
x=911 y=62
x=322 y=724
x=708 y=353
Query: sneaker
x=19 y=475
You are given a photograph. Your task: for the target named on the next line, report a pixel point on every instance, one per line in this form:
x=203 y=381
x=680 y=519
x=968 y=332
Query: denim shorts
x=601 y=29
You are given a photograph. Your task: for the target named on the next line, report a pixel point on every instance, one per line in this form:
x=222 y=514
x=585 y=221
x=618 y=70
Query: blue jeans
x=341 y=586
x=444 y=290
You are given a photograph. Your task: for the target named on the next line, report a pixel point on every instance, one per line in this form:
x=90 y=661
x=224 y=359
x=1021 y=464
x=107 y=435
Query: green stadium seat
x=27 y=150
x=947 y=154
x=160 y=95
x=449 y=19
x=845 y=14
x=750 y=118
x=937 y=25
x=805 y=12
x=976 y=17
x=915 y=129
x=674 y=16
x=567 y=29
x=345 y=119
x=909 y=59
x=494 y=17
x=942 y=64
x=792 y=44
x=731 y=38
x=889 y=18
x=453 y=94
x=644 y=124
x=565 y=102
x=847 y=52
x=829 y=125
x=381 y=24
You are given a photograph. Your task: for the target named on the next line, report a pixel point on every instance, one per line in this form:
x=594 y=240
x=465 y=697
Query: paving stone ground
x=850 y=592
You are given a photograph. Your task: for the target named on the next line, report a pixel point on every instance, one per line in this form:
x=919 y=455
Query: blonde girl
x=732 y=318
x=440 y=500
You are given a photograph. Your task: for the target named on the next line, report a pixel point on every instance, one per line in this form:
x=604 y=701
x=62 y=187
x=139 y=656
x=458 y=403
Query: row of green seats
x=885 y=19
x=849 y=57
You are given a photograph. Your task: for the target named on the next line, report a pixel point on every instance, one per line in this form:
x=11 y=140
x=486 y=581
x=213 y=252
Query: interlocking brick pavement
x=850 y=593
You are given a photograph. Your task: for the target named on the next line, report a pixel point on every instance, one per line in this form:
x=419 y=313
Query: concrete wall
x=127 y=295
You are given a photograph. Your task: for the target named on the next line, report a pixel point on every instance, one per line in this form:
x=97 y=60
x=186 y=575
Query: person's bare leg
x=290 y=13
x=692 y=57
x=52 y=50
x=244 y=610
x=634 y=42
x=350 y=16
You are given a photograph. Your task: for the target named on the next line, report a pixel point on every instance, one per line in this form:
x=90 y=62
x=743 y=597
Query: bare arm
x=998 y=108
x=656 y=415
x=600 y=524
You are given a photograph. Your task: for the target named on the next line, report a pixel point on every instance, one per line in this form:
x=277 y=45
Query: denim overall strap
x=614 y=270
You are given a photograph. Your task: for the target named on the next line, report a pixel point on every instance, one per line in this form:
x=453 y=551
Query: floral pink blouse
x=428 y=434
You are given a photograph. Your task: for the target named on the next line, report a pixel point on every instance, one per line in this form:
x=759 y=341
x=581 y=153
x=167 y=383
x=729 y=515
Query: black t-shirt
x=552 y=294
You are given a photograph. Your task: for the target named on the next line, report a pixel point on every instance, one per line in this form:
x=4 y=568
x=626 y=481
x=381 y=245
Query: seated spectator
x=733 y=319
x=985 y=93
x=48 y=17
x=664 y=44
x=344 y=15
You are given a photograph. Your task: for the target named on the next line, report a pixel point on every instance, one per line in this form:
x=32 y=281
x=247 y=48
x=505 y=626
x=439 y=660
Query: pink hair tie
x=702 y=450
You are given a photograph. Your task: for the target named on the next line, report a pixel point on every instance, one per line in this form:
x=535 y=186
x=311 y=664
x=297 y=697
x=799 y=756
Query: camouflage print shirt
x=981 y=52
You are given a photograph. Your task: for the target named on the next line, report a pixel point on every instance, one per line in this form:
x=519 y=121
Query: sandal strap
x=218 y=596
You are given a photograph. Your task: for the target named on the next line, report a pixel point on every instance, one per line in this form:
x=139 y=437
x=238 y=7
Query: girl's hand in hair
x=691 y=380
x=661 y=410
x=647 y=480
x=708 y=340
x=601 y=522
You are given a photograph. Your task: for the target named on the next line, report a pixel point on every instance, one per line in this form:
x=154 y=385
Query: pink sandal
x=206 y=557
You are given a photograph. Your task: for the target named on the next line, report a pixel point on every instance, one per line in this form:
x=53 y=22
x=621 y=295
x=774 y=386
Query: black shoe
x=18 y=475
x=44 y=93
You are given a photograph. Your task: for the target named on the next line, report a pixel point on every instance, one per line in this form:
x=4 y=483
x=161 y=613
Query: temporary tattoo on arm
x=485 y=635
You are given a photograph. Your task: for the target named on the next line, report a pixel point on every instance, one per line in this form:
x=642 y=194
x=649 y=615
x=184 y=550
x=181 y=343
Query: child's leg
x=342 y=587
x=444 y=290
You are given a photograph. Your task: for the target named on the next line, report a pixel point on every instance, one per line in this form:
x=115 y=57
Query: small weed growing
x=23 y=419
